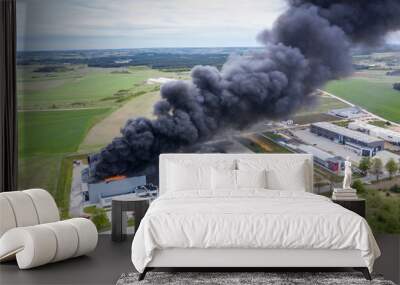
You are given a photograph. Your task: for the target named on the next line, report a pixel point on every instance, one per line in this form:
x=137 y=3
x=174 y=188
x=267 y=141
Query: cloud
x=143 y=23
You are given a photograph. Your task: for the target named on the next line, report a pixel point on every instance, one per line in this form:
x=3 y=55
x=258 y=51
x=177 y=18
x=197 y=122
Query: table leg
x=117 y=221
x=140 y=211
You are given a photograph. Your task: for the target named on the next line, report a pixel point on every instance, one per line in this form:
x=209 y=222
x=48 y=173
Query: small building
x=385 y=134
x=348 y=113
x=105 y=189
x=323 y=158
x=362 y=144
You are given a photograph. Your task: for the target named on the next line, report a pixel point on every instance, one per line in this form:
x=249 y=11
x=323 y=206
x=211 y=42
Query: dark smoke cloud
x=308 y=45
x=364 y=21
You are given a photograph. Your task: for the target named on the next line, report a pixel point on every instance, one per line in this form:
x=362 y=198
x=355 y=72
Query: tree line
x=375 y=166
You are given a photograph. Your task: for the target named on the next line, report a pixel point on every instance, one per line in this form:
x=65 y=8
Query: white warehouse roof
x=375 y=130
x=347 y=132
x=315 y=151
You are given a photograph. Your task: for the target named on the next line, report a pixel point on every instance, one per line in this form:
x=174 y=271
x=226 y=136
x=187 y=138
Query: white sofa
x=31 y=231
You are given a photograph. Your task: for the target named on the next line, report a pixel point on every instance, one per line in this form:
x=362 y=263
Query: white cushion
x=223 y=179
x=188 y=177
x=187 y=174
x=66 y=238
x=7 y=218
x=87 y=235
x=251 y=178
x=282 y=174
x=23 y=208
x=46 y=207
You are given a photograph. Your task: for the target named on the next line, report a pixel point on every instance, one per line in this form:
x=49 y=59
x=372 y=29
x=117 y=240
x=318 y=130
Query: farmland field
x=67 y=113
x=322 y=105
x=51 y=132
x=103 y=132
x=371 y=90
x=45 y=138
x=83 y=86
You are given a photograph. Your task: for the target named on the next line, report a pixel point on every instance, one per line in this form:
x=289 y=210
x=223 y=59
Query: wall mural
x=104 y=87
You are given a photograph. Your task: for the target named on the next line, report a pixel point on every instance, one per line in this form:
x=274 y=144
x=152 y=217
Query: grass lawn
x=46 y=138
x=39 y=171
x=322 y=105
x=55 y=132
x=312 y=118
x=373 y=92
x=91 y=86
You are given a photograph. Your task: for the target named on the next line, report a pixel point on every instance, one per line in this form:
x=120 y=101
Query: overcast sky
x=99 y=24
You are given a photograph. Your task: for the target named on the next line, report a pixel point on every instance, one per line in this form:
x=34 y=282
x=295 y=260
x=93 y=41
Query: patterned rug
x=244 y=278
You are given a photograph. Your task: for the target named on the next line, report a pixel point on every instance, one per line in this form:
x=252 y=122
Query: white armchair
x=31 y=230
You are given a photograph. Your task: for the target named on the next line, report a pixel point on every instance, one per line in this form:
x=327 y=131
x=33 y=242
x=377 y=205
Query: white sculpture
x=347 y=174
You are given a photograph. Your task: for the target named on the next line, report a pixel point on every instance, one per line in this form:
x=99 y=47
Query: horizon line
x=172 y=47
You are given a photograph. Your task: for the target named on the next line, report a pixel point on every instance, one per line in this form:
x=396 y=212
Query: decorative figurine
x=347 y=174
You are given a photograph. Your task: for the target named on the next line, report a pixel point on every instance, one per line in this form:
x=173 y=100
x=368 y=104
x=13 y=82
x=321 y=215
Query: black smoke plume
x=308 y=45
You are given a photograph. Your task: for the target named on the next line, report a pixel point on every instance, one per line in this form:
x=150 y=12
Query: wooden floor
x=110 y=260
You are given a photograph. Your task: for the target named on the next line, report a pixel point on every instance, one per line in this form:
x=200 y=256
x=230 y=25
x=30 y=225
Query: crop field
x=39 y=171
x=322 y=104
x=66 y=114
x=371 y=90
x=92 y=86
x=104 y=131
x=45 y=138
x=51 y=132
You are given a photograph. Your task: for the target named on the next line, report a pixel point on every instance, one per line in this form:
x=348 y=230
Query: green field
x=83 y=88
x=46 y=137
x=371 y=90
x=39 y=171
x=323 y=104
x=58 y=109
x=55 y=132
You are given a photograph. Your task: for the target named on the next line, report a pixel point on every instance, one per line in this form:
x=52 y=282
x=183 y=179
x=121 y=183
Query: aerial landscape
x=73 y=103
x=105 y=87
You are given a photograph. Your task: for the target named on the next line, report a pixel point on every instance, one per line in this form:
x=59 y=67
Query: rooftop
x=315 y=151
x=370 y=127
x=348 y=133
x=127 y=183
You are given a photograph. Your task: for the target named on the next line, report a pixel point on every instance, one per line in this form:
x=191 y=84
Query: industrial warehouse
x=325 y=159
x=362 y=144
x=385 y=134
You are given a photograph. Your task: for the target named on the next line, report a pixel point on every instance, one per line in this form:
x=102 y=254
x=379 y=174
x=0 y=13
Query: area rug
x=244 y=278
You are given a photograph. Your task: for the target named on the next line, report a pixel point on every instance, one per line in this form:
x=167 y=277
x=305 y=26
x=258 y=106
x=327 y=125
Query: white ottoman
x=35 y=244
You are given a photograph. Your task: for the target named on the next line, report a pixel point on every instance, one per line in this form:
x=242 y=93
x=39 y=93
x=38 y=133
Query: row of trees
x=375 y=166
